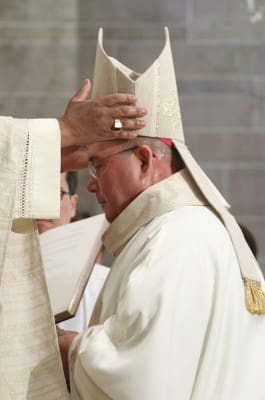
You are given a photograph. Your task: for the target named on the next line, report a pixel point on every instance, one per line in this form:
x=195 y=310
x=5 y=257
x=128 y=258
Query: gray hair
x=161 y=150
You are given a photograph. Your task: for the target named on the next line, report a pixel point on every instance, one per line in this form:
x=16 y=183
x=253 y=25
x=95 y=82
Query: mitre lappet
x=156 y=89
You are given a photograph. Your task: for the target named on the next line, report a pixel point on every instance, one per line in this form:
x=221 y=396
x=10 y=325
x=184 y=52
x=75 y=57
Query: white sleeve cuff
x=46 y=166
x=38 y=163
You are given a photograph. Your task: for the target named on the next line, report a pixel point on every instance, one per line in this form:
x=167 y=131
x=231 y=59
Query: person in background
x=69 y=200
x=68 y=203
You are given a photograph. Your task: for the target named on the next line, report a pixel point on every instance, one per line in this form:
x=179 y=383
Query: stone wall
x=47 y=48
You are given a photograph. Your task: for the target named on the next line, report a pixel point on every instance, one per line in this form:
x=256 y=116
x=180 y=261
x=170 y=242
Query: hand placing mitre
x=88 y=121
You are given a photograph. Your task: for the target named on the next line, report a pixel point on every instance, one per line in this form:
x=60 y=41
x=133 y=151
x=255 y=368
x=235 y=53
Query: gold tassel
x=255 y=297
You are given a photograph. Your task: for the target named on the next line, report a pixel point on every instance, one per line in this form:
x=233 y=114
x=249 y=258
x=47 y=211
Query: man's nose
x=91 y=184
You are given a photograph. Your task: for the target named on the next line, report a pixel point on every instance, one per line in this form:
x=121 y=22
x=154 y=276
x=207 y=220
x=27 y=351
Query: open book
x=69 y=253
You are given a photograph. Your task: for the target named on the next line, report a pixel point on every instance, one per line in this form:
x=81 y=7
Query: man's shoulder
x=198 y=223
x=197 y=216
x=193 y=229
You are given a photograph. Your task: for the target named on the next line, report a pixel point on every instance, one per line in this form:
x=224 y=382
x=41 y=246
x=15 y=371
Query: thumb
x=83 y=92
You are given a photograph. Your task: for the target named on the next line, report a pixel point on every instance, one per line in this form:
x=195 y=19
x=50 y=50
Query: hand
x=65 y=339
x=74 y=158
x=88 y=121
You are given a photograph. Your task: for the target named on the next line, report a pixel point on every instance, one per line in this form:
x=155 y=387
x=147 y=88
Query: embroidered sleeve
x=38 y=173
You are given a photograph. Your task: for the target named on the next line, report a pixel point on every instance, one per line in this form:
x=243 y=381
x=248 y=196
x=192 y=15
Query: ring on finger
x=117 y=125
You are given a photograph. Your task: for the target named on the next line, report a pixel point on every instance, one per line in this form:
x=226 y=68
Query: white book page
x=69 y=254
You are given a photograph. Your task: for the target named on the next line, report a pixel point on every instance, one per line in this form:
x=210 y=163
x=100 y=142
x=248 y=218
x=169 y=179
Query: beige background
x=48 y=47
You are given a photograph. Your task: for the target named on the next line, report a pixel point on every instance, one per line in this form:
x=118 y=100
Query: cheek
x=66 y=213
x=119 y=185
x=125 y=190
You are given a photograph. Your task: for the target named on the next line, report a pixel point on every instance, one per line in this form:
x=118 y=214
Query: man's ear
x=145 y=156
x=74 y=201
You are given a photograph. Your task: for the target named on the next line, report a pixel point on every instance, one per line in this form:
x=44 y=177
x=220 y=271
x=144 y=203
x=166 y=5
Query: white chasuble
x=30 y=366
x=171 y=322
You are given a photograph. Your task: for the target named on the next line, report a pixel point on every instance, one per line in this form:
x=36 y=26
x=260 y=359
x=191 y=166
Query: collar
x=176 y=191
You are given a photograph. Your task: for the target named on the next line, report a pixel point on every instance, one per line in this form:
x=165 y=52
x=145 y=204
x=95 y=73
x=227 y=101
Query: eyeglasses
x=95 y=165
x=62 y=193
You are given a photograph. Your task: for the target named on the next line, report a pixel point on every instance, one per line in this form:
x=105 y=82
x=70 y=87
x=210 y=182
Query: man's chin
x=110 y=215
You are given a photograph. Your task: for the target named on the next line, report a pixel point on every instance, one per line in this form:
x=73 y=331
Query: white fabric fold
x=30 y=366
x=171 y=321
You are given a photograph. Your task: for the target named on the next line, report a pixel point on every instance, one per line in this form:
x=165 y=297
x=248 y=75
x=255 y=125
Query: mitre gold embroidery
x=171 y=109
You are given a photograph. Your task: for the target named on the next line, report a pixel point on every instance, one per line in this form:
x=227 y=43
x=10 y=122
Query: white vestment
x=171 y=322
x=30 y=366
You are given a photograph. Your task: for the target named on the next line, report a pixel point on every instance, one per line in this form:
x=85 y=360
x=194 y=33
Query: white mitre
x=156 y=89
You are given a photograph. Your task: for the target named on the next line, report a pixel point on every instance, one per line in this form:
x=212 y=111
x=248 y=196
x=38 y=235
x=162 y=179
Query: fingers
x=88 y=121
x=129 y=129
x=129 y=115
x=132 y=124
x=123 y=106
x=128 y=112
x=126 y=134
x=83 y=92
x=118 y=98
